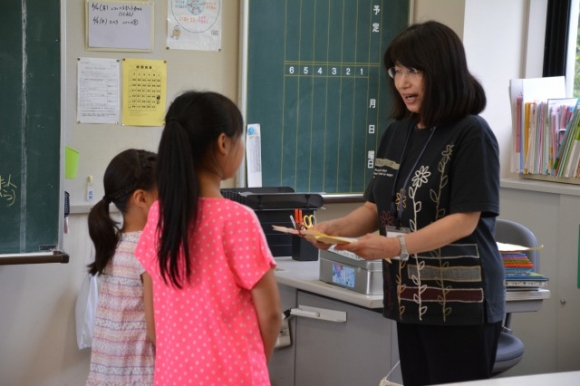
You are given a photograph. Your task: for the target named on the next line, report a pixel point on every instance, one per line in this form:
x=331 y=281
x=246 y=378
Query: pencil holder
x=303 y=250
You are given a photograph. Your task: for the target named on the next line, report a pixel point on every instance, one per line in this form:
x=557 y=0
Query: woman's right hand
x=359 y=222
x=325 y=227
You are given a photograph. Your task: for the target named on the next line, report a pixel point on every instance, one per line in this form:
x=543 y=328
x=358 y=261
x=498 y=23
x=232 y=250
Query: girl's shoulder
x=227 y=206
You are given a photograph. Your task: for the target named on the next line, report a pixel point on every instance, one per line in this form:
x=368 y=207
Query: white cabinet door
x=281 y=366
x=550 y=335
x=359 y=351
x=567 y=296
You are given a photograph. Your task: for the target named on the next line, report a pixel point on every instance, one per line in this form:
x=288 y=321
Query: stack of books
x=519 y=270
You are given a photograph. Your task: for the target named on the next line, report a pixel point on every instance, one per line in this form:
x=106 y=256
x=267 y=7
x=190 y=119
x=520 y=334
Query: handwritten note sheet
x=120 y=25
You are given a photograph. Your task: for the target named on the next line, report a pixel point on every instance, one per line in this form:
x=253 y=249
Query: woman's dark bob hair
x=451 y=92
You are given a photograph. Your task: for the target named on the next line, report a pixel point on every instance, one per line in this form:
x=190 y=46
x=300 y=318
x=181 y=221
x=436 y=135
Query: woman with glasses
x=434 y=198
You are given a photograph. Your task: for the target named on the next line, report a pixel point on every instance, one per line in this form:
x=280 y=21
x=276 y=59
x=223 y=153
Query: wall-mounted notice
x=119 y=25
x=144 y=92
x=254 y=156
x=98 y=90
x=194 y=25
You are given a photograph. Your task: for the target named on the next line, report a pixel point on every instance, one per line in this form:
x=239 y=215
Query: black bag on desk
x=274 y=206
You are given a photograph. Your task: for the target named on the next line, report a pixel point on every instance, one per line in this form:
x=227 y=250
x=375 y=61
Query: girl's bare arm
x=267 y=302
x=148 y=300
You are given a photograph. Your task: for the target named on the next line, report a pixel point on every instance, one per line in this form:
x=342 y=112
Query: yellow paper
x=331 y=239
x=144 y=92
x=315 y=235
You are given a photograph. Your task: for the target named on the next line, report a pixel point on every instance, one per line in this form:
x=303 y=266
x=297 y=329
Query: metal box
x=345 y=269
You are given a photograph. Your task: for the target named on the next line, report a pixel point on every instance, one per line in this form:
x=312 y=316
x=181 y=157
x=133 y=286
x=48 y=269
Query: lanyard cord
x=403 y=188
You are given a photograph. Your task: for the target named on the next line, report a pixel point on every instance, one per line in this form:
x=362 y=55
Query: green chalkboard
x=29 y=125
x=316 y=86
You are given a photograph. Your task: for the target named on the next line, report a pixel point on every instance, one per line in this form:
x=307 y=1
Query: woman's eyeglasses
x=398 y=72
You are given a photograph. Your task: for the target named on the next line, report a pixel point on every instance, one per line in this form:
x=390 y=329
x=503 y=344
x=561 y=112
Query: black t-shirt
x=453 y=168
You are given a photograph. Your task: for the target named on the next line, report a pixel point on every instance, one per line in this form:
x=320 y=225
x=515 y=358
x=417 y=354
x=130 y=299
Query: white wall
x=37 y=324
x=37 y=330
x=482 y=25
x=186 y=69
x=448 y=12
x=495 y=64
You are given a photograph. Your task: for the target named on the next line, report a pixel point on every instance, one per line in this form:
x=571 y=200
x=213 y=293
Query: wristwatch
x=404 y=254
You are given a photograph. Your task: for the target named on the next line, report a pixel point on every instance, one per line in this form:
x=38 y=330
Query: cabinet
x=282 y=364
x=360 y=351
x=551 y=335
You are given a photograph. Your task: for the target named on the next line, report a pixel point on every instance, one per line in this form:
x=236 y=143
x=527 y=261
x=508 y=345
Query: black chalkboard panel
x=317 y=88
x=29 y=125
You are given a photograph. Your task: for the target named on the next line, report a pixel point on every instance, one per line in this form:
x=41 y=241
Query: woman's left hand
x=373 y=247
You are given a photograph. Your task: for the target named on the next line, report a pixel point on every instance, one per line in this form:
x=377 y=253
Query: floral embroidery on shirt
x=435 y=196
x=420 y=178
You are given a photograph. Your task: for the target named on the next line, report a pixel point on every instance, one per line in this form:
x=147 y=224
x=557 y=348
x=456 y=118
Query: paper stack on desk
x=519 y=270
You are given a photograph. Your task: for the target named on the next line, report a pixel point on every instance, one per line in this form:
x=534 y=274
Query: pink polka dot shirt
x=208 y=332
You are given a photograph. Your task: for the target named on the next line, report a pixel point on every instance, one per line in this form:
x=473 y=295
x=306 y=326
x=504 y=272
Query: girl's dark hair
x=451 y=92
x=193 y=124
x=128 y=171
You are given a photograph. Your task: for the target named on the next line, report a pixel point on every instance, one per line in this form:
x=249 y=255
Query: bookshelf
x=541 y=177
x=545 y=131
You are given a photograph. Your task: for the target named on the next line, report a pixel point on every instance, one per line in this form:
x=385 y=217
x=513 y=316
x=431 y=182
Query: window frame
x=572 y=48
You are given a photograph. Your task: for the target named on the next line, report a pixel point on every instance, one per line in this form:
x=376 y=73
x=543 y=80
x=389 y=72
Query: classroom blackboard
x=30 y=144
x=316 y=86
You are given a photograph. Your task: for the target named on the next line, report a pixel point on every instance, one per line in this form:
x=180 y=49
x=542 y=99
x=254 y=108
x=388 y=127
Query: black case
x=274 y=206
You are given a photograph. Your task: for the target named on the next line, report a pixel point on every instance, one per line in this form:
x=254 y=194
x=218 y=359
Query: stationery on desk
x=302 y=228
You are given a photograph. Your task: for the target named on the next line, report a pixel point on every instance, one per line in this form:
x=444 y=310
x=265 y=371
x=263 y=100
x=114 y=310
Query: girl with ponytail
x=123 y=351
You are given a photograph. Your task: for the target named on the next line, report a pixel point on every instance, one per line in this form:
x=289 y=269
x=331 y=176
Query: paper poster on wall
x=119 y=25
x=194 y=25
x=254 y=156
x=98 y=90
x=144 y=92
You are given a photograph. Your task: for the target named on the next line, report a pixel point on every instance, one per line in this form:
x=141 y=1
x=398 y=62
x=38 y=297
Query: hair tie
x=107 y=199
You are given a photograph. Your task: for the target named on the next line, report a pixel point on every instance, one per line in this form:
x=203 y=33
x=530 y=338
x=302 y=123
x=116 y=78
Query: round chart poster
x=194 y=25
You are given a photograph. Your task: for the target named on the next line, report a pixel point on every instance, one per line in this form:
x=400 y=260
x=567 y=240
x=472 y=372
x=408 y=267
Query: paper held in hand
x=315 y=235
x=503 y=247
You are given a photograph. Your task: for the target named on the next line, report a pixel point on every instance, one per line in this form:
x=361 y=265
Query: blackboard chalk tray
x=34 y=258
